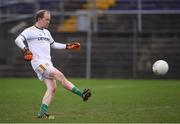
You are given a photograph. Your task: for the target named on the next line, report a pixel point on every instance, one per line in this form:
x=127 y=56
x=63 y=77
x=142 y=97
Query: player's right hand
x=27 y=54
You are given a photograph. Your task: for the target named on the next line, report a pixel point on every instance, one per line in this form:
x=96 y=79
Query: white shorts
x=43 y=71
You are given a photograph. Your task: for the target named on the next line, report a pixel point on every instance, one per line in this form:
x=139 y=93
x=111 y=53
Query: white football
x=160 y=67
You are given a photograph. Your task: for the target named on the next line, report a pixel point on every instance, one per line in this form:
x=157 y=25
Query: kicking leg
x=69 y=86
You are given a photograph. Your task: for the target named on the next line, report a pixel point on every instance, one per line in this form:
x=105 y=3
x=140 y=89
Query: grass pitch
x=130 y=101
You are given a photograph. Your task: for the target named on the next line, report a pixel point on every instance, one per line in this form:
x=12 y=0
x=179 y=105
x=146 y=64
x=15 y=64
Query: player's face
x=45 y=20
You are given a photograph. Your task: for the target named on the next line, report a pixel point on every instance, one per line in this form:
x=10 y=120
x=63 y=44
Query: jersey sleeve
x=25 y=34
x=21 y=38
x=56 y=45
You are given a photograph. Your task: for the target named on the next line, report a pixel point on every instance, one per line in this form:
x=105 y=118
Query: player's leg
x=51 y=89
x=65 y=83
x=69 y=86
x=48 y=96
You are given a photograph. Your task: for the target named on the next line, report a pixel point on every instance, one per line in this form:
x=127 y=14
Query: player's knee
x=52 y=90
x=61 y=76
x=58 y=75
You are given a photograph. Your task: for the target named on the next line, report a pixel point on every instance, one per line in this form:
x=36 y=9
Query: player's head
x=42 y=18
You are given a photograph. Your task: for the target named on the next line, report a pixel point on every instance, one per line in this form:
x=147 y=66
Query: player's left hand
x=73 y=46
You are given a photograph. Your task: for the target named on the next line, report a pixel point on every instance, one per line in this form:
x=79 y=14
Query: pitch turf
x=112 y=101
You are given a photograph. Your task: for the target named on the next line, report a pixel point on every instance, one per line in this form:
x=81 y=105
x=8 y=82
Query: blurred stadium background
x=120 y=38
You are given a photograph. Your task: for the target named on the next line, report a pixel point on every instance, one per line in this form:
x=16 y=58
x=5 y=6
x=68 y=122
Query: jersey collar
x=38 y=27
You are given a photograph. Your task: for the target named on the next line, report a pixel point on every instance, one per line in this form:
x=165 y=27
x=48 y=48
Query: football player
x=40 y=42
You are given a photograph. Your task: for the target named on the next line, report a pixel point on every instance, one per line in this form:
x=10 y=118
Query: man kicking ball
x=39 y=42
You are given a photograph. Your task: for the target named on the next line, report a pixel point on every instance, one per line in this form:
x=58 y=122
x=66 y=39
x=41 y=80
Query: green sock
x=77 y=91
x=43 y=108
